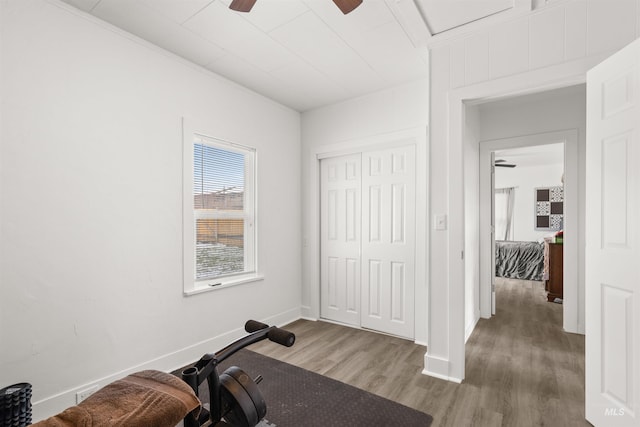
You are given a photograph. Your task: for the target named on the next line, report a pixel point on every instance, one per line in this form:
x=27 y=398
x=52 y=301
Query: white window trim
x=190 y=285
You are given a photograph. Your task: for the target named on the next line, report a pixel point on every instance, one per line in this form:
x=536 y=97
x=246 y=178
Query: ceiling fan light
x=347 y=6
x=242 y=5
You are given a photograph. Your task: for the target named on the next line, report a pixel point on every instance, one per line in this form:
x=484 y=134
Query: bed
x=520 y=260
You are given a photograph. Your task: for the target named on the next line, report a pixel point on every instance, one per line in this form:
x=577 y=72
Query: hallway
x=527 y=369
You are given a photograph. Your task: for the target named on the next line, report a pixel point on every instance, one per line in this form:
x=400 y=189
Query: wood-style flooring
x=521 y=368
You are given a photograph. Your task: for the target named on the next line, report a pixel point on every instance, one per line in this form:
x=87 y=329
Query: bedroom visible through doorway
x=528 y=195
x=523 y=123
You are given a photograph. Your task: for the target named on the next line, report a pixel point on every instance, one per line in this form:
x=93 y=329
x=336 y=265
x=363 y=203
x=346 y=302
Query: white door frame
x=413 y=136
x=555 y=77
x=571 y=161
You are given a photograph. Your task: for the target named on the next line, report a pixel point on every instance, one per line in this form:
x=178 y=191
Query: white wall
x=552 y=46
x=525 y=180
x=359 y=122
x=91 y=240
x=547 y=111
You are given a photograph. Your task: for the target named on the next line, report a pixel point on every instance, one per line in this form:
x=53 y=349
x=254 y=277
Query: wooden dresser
x=553 y=286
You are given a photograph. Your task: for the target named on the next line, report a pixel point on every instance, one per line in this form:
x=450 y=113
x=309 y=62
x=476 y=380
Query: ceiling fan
x=501 y=163
x=345 y=6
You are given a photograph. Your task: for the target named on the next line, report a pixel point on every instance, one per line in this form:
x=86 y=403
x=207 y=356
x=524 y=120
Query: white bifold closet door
x=340 y=224
x=368 y=240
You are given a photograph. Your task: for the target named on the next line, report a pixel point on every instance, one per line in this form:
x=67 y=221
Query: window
x=219 y=208
x=503 y=208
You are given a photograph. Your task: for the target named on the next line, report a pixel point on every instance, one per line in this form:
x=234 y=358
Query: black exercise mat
x=299 y=398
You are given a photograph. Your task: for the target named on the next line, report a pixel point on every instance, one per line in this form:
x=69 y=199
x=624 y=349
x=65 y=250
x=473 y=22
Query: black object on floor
x=15 y=405
x=234 y=397
x=296 y=397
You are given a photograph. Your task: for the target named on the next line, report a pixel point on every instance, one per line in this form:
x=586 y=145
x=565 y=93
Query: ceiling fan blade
x=242 y=5
x=347 y=6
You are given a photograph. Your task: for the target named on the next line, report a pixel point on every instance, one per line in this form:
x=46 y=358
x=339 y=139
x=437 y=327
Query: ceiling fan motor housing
x=345 y=6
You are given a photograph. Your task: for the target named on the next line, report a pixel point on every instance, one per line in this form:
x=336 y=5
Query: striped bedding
x=520 y=260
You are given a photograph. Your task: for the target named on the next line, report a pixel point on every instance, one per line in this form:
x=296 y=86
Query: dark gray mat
x=299 y=398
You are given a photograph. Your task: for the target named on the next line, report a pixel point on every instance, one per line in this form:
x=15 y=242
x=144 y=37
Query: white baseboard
x=307 y=312
x=438 y=367
x=469 y=330
x=285 y=318
x=169 y=362
x=442 y=377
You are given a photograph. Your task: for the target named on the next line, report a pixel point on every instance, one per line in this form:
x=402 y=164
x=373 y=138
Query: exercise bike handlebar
x=254 y=325
x=258 y=332
x=275 y=334
x=205 y=368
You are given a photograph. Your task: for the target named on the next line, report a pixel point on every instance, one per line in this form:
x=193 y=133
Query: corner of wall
x=438 y=367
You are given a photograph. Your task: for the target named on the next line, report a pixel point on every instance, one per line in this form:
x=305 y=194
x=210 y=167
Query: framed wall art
x=549 y=208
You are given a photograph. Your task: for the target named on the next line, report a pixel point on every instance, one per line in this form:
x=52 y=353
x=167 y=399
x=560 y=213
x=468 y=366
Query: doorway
x=524 y=224
x=531 y=121
x=612 y=98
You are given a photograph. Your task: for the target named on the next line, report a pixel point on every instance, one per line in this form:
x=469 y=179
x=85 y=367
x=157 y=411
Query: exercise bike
x=235 y=399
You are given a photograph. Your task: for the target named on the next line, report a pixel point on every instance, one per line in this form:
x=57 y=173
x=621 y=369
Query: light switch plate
x=440 y=222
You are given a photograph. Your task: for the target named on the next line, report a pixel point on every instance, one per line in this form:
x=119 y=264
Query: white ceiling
x=540 y=155
x=442 y=15
x=301 y=53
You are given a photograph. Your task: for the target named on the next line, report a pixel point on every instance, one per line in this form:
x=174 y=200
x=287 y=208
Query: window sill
x=214 y=285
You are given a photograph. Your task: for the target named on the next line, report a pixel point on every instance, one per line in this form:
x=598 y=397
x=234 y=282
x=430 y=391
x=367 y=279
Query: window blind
x=219 y=194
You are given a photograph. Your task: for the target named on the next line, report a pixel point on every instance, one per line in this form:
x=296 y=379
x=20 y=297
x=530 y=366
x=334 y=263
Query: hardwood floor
x=521 y=368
